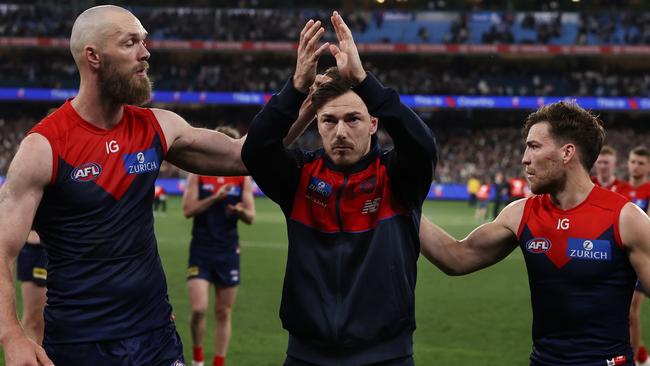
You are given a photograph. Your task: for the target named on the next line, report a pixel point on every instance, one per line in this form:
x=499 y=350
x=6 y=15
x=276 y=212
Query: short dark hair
x=571 y=123
x=641 y=151
x=330 y=89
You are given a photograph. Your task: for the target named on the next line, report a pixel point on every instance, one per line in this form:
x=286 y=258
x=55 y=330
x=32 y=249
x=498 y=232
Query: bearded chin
x=124 y=89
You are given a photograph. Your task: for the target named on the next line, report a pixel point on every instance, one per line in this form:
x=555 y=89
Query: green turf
x=479 y=319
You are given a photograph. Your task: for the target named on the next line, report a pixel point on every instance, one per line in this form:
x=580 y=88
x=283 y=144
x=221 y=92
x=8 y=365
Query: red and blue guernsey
x=581 y=281
x=105 y=279
x=214 y=230
x=639 y=195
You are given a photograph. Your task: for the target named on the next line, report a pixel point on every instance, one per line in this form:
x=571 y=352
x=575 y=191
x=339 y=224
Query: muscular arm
x=199 y=150
x=634 y=227
x=29 y=173
x=483 y=247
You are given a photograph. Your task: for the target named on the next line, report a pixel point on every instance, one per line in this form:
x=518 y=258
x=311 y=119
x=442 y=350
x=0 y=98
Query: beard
x=124 y=87
x=551 y=185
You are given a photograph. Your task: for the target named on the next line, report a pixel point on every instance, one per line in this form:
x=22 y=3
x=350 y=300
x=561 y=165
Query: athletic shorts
x=221 y=269
x=160 y=347
x=407 y=361
x=32 y=265
x=482 y=203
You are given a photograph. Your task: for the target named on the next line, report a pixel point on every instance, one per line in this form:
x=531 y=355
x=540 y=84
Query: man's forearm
x=437 y=246
x=9 y=324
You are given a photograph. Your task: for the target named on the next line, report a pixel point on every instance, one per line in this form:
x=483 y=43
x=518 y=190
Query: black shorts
x=160 y=347
x=32 y=265
x=220 y=269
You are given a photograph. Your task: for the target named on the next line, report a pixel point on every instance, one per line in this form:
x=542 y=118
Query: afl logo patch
x=538 y=245
x=86 y=172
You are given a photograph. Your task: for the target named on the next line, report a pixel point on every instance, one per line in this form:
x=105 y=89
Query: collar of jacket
x=360 y=165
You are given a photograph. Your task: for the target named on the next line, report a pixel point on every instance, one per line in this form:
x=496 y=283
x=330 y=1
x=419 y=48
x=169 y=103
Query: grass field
x=479 y=319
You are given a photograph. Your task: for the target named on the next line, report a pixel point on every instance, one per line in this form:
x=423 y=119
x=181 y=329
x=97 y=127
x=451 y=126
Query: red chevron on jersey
x=109 y=158
x=553 y=229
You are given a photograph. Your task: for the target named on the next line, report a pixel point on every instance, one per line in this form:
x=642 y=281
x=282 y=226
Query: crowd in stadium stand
x=254 y=72
x=464 y=151
x=250 y=24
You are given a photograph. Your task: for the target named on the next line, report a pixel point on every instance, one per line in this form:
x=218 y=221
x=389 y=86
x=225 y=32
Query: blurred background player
x=216 y=204
x=159 y=198
x=32 y=274
x=606 y=171
x=518 y=188
x=638 y=167
x=501 y=190
x=483 y=199
x=473 y=184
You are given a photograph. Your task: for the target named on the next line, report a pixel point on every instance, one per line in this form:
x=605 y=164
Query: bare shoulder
x=634 y=225
x=32 y=164
x=170 y=122
x=166 y=116
x=511 y=215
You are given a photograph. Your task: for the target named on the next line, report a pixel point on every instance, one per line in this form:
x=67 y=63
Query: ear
x=374 y=123
x=92 y=56
x=568 y=153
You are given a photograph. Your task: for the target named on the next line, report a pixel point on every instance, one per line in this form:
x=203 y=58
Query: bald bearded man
x=85 y=177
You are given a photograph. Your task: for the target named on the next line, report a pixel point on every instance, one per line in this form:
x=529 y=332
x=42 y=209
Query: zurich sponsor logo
x=589 y=249
x=538 y=245
x=86 y=172
x=141 y=162
x=178 y=363
x=320 y=187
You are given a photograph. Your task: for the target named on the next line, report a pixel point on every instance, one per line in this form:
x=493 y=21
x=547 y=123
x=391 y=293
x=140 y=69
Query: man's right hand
x=22 y=351
x=308 y=55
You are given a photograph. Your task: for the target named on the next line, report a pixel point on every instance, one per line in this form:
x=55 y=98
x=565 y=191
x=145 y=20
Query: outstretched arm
x=29 y=173
x=483 y=247
x=634 y=227
x=199 y=150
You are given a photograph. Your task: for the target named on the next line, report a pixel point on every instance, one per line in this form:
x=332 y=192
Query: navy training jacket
x=348 y=296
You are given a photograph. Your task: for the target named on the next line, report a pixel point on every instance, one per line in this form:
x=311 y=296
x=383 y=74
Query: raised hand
x=346 y=54
x=308 y=55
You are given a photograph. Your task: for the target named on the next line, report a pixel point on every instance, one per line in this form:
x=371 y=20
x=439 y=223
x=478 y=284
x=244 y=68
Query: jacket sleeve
x=412 y=163
x=275 y=169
